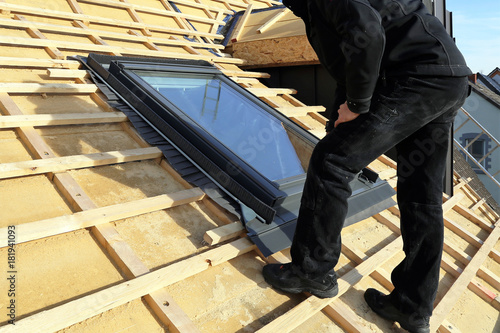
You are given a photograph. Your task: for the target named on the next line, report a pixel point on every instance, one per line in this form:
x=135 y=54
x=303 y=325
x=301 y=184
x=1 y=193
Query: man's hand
x=345 y=115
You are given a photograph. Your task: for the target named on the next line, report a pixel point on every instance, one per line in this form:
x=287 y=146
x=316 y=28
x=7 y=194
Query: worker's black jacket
x=359 y=40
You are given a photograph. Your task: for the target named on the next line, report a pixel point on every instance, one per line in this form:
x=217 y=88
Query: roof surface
x=108 y=238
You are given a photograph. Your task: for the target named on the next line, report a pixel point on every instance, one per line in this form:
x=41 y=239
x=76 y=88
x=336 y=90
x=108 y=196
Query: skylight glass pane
x=253 y=134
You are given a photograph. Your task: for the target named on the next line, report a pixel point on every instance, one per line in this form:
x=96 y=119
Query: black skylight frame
x=265 y=197
x=275 y=203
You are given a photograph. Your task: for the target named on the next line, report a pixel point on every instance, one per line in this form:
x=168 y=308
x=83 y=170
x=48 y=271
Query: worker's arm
x=363 y=42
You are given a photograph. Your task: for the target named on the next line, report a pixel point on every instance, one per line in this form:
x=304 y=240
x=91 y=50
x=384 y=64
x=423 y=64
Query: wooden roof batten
x=50 y=107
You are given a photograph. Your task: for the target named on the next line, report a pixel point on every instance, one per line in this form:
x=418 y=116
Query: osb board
x=283 y=51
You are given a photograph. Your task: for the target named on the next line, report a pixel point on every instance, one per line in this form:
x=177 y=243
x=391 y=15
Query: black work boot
x=381 y=304
x=289 y=278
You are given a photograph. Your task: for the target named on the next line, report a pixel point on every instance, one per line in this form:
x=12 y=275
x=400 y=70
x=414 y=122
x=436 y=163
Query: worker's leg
x=421 y=169
x=399 y=109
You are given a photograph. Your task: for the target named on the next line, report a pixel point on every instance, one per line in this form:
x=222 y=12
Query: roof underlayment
x=109 y=238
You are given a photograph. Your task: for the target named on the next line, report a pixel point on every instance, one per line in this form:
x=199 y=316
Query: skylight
x=242 y=126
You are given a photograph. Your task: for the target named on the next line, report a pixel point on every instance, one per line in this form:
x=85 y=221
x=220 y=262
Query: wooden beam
x=92 y=217
x=201 y=5
x=35 y=33
x=447 y=265
x=299 y=111
x=452 y=202
x=57 y=73
x=46 y=88
x=61 y=119
x=380 y=275
x=31 y=42
x=35 y=62
x=86 y=307
x=471 y=216
x=241 y=24
x=346 y=317
x=95 y=38
x=270 y=92
x=273 y=20
x=30 y=10
x=123 y=255
x=60 y=164
x=305 y=310
x=81 y=29
x=132 y=9
x=446 y=304
x=224 y=233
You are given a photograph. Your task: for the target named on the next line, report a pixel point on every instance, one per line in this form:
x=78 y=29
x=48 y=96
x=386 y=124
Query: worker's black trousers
x=414 y=114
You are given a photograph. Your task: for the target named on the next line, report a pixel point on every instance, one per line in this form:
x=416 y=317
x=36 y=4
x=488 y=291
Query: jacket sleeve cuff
x=359 y=105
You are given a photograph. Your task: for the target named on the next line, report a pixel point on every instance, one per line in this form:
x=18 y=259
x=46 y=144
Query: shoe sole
x=318 y=293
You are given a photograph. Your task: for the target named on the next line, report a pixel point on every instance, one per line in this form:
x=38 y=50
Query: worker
x=400 y=83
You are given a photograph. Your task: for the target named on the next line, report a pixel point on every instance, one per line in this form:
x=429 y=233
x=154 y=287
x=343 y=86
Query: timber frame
x=70 y=166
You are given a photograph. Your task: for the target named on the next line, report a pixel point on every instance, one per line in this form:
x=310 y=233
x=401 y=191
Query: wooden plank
x=75 y=7
x=462 y=232
x=473 y=285
x=35 y=62
x=57 y=73
x=346 y=318
x=132 y=9
x=452 y=202
x=86 y=307
x=61 y=119
x=306 y=309
x=60 y=164
x=123 y=255
x=270 y=92
x=35 y=33
x=201 y=5
x=31 y=42
x=387 y=161
x=380 y=274
x=45 y=88
x=241 y=73
x=224 y=233
x=80 y=29
x=446 y=304
x=299 y=111
x=471 y=216
x=273 y=20
x=30 y=10
x=95 y=38
x=241 y=24
x=92 y=217
x=322 y=119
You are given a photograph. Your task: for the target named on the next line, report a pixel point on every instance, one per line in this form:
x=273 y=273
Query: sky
x=476 y=29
